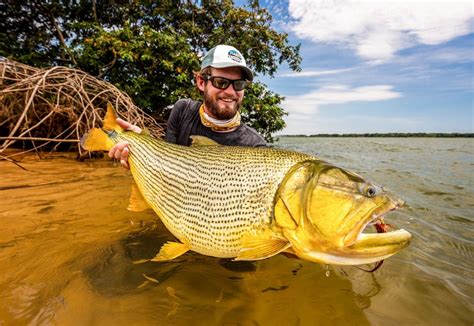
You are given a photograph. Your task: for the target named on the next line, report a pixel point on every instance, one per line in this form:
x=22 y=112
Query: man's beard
x=219 y=113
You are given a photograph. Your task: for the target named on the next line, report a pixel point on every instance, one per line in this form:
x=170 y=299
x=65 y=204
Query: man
x=221 y=81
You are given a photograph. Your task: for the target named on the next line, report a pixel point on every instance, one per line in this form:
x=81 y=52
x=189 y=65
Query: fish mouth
x=367 y=247
x=376 y=220
x=370 y=247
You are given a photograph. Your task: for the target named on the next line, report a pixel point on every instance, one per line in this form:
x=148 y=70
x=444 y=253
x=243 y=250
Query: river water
x=69 y=247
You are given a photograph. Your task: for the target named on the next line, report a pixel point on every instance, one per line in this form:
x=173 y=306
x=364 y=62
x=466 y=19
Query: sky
x=376 y=66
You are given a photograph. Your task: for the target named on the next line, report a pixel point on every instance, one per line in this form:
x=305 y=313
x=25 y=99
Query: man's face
x=222 y=104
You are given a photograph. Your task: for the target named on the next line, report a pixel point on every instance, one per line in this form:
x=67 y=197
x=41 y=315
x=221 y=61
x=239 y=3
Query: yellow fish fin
x=137 y=202
x=171 y=250
x=110 y=120
x=146 y=132
x=261 y=247
x=96 y=140
x=202 y=141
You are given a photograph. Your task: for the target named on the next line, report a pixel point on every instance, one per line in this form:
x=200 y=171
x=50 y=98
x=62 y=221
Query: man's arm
x=174 y=121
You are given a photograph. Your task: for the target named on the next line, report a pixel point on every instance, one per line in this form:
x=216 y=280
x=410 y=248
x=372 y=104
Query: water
x=68 y=247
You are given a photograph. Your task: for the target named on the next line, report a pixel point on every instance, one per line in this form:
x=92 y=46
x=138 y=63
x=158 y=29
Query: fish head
x=324 y=211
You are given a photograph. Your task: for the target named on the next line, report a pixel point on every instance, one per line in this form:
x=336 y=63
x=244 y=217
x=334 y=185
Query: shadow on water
x=220 y=291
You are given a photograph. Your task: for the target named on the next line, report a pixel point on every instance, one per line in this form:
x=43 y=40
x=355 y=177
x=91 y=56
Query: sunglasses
x=223 y=83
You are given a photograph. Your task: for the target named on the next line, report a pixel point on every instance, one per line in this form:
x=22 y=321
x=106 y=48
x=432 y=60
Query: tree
x=150 y=49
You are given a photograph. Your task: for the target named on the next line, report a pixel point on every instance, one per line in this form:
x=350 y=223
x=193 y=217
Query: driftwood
x=51 y=108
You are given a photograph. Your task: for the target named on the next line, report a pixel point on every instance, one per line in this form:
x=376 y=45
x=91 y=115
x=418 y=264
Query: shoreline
x=387 y=135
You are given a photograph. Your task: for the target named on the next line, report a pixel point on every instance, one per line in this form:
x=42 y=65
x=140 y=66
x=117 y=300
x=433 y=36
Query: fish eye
x=369 y=190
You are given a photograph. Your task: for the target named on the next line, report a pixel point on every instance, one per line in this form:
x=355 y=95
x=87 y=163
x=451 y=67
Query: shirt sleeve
x=172 y=125
x=260 y=143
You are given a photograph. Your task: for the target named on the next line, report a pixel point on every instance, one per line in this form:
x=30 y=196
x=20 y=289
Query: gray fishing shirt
x=184 y=121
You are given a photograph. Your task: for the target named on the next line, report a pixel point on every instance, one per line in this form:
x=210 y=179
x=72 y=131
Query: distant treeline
x=393 y=134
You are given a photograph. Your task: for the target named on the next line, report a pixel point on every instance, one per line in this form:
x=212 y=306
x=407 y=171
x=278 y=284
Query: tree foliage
x=150 y=49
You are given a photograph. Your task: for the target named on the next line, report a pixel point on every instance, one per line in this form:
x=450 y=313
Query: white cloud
x=378 y=29
x=337 y=94
x=458 y=55
x=314 y=73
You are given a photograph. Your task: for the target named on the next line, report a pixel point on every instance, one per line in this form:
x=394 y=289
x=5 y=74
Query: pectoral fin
x=171 y=250
x=261 y=247
x=137 y=202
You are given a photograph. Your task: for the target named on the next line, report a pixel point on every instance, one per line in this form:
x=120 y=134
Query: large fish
x=253 y=203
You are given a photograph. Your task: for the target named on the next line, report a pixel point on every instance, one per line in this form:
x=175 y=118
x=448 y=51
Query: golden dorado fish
x=253 y=203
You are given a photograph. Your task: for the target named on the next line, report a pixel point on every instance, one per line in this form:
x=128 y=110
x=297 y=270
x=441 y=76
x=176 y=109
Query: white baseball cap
x=223 y=56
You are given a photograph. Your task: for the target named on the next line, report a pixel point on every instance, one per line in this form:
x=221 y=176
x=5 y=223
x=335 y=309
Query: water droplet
x=327 y=271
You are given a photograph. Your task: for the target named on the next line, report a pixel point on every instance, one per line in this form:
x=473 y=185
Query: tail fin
x=110 y=120
x=97 y=139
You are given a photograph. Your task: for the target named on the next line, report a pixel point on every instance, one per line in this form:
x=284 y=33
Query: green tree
x=150 y=49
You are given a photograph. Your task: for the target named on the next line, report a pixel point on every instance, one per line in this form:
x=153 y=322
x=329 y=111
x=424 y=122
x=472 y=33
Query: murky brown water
x=67 y=247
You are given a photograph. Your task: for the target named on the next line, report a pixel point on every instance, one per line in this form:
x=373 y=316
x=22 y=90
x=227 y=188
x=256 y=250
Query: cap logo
x=235 y=56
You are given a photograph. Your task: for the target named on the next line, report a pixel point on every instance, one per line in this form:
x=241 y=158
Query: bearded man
x=222 y=80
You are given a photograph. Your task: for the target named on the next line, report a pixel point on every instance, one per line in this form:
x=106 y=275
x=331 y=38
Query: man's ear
x=200 y=82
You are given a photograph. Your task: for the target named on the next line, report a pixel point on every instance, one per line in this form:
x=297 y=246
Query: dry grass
x=50 y=109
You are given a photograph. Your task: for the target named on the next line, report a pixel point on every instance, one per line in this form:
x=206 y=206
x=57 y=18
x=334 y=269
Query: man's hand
x=121 y=151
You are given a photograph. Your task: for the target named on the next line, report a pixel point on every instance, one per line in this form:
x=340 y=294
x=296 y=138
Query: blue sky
x=377 y=66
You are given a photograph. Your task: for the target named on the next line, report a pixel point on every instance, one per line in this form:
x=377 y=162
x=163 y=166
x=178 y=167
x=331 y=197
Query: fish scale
x=209 y=196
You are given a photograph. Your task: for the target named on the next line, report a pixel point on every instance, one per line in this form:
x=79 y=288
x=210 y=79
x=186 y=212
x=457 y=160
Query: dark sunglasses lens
x=239 y=84
x=221 y=83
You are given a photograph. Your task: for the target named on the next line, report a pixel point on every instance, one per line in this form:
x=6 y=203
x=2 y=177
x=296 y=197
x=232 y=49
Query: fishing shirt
x=184 y=121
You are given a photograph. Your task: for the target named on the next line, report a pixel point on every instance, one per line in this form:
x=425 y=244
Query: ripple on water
x=460 y=219
x=433 y=192
x=46 y=210
x=464 y=249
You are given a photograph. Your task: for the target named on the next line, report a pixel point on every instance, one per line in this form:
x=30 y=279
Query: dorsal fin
x=110 y=119
x=202 y=141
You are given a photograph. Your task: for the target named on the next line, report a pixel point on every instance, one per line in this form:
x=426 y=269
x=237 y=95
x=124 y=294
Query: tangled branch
x=50 y=109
